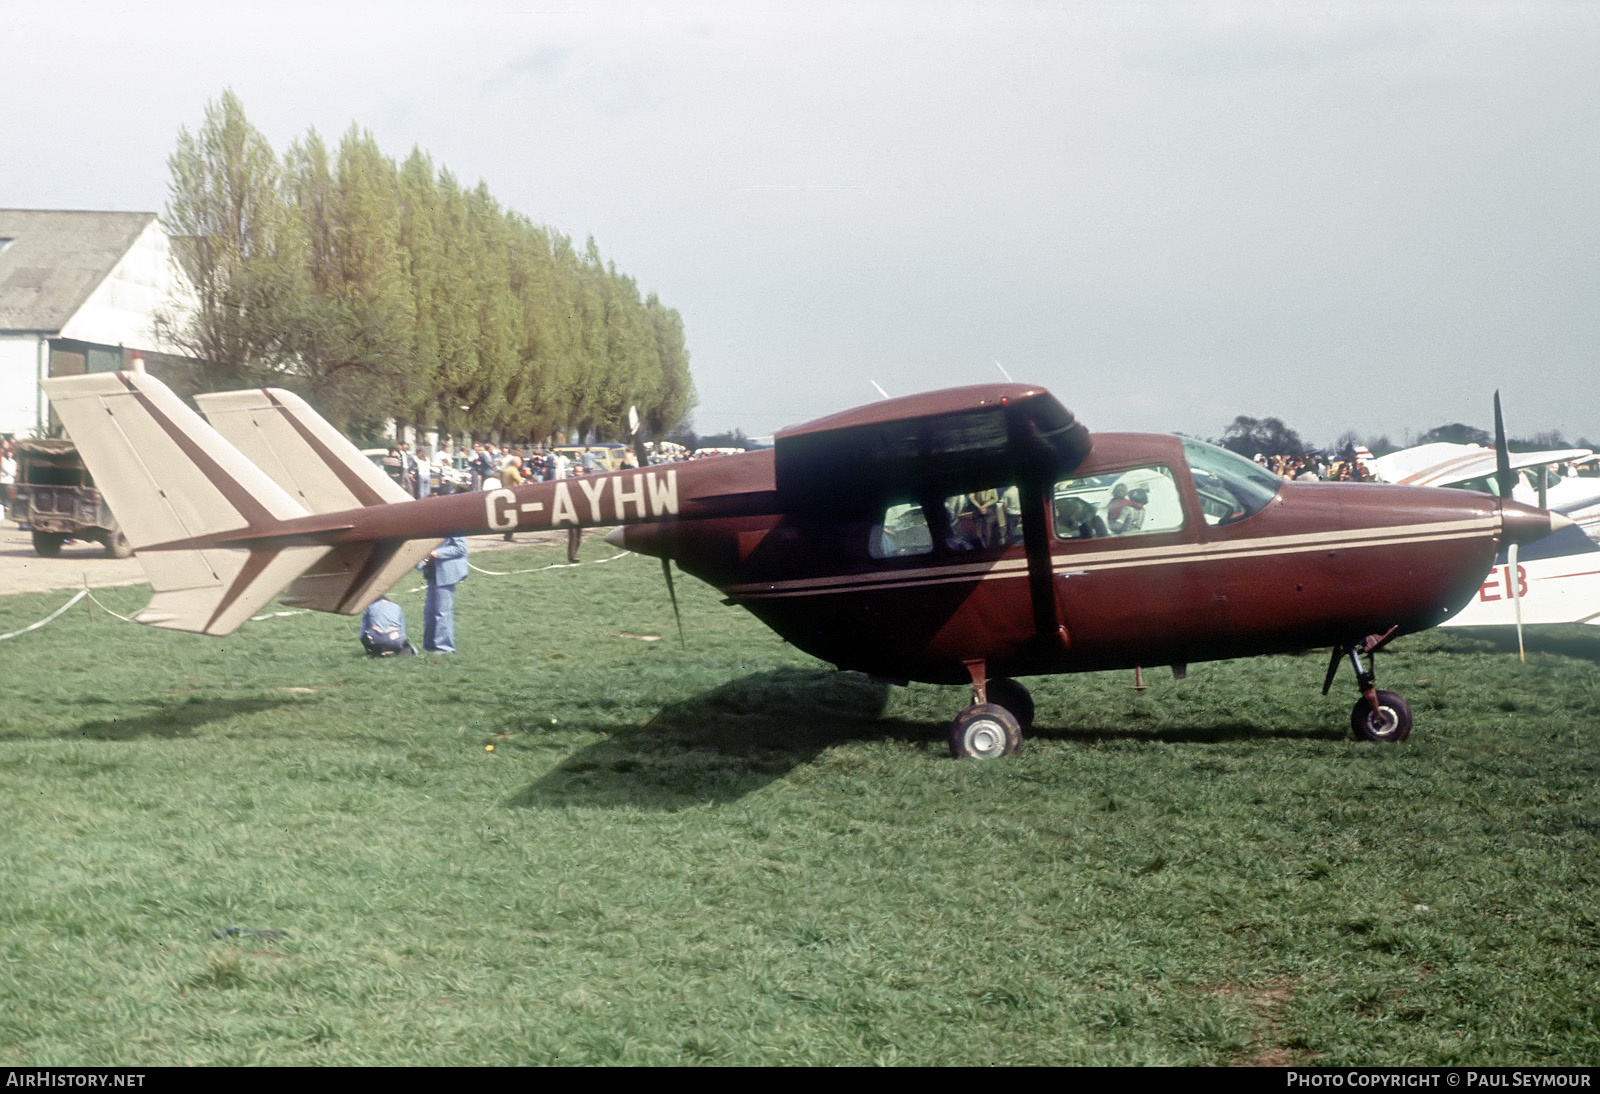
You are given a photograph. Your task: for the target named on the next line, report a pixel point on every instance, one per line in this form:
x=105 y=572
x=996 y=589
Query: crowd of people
x=1315 y=467
x=487 y=466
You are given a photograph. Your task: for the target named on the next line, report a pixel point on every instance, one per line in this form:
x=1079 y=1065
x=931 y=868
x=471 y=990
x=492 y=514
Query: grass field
x=568 y=844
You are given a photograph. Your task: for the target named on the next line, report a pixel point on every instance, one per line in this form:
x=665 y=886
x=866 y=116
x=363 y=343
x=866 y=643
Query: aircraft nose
x=618 y=537
x=1525 y=523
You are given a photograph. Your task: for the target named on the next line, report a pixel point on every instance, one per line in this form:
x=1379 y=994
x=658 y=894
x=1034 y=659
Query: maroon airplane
x=963 y=536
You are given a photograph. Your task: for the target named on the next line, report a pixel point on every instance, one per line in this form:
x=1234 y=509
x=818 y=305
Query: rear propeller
x=666 y=572
x=1505 y=481
x=636 y=436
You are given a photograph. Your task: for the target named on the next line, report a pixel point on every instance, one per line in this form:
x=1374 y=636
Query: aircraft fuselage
x=1321 y=564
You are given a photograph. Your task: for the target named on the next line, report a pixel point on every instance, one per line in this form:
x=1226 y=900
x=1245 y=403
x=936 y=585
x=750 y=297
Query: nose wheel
x=1377 y=715
x=1384 y=717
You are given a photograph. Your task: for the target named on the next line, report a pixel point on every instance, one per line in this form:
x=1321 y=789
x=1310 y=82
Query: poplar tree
x=375 y=366
x=235 y=237
x=380 y=290
x=425 y=270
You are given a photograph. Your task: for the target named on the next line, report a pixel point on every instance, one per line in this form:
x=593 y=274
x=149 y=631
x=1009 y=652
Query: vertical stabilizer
x=179 y=489
x=278 y=432
x=315 y=464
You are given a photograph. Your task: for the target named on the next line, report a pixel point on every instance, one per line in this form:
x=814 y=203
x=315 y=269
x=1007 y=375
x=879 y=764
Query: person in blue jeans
x=383 y=629
x=445 y=568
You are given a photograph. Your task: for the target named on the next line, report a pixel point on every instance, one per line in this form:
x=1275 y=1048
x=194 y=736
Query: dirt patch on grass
x=1269 y=1001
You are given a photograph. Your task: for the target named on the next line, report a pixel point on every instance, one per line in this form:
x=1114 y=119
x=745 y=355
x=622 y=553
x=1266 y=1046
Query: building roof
x=52 y=260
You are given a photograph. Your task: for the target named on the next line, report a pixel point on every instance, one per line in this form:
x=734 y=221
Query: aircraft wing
x=1444 y=464
x=971 y=437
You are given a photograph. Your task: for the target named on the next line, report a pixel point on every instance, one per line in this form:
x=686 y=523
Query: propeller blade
x=666 y=572
x=1502 y=455
x=1504 y=481
x=1516 y=599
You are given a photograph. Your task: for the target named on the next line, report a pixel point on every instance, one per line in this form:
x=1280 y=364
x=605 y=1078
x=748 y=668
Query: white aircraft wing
x=1444 y=464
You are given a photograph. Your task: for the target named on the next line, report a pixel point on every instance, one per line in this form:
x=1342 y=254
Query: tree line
x=381 y=290
x=1271 y=437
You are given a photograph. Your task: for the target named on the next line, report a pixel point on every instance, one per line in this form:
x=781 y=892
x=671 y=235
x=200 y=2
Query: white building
x=79 y=292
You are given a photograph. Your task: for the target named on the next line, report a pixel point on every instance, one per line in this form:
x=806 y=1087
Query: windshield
x=1230 y=486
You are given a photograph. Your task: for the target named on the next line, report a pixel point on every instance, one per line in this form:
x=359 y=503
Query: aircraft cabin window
x=1230 y=486
x=1140 y=501
x=984 y=519
x=904 y=532
x=980 y=520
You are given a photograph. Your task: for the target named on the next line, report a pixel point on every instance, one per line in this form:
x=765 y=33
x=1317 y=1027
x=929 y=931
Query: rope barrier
x=85 y=592
x=49 y=618
x=108 y=611
x=552 y=566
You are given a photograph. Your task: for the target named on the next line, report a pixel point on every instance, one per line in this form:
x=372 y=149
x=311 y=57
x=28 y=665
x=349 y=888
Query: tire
x=117 y=545
x=1006 y=692
x=985 y=732
x=1391 y=723
x=47 y=544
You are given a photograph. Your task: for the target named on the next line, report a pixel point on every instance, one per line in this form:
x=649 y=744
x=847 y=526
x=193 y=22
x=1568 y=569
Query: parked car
x=383 y=459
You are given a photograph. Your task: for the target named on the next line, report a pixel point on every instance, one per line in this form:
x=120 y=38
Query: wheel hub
x=986 y=739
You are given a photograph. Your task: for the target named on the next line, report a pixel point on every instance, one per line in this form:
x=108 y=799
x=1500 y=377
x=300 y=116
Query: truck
x=55 y=497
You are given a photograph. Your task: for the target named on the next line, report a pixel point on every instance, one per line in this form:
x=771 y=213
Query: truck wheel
x=47 y=544
x=117 y=545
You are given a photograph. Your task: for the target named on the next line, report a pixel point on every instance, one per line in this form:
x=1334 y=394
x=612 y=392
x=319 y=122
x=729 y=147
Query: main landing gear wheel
x=1390 y=722
x=1006 y=692
x=985 y=732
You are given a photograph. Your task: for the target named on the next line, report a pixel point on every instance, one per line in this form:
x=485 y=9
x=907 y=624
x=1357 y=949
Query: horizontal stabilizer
x=353 y=575
x=219 y=596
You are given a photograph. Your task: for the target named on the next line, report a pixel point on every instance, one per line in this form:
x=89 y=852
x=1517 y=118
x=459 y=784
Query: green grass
x=725 y=854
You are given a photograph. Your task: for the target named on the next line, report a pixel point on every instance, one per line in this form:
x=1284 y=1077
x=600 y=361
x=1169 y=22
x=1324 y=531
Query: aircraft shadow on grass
x=1168 y=733
x=727 y=742
x=721 y=745
x=182 y=720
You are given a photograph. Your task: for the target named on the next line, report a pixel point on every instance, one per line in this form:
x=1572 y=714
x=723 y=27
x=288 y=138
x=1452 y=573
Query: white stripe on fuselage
x=1123 y=557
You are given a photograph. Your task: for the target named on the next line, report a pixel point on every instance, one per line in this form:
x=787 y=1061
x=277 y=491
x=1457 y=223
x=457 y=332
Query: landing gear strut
x=1377 y=715
x=992 y=726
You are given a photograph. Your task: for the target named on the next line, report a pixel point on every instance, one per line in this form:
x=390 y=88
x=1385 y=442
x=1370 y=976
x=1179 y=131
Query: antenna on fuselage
x=878 y=389
x=1003 y=372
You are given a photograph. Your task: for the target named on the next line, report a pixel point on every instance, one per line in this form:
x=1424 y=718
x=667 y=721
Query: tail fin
x=278 y=432
x=317 y=466
x=179 y=490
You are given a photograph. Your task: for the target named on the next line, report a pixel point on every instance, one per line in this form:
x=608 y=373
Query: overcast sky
x=1348 y=216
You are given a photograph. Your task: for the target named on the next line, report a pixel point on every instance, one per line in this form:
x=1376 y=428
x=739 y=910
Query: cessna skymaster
x=966 y=536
